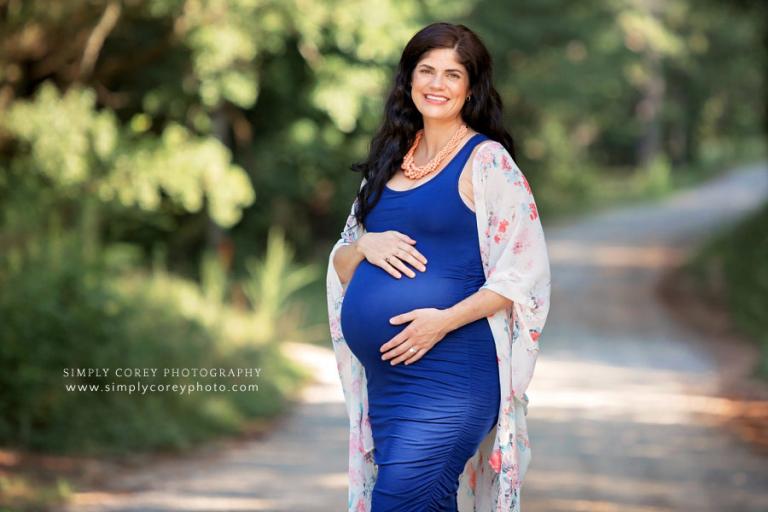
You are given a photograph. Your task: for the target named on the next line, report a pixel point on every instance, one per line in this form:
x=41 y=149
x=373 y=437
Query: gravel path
x=625 y=407
x=624 y=412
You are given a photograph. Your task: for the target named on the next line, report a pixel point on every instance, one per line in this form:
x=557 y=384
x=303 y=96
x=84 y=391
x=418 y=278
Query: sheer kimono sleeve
x=516 y=252
x=362 y=472
x=348 y=366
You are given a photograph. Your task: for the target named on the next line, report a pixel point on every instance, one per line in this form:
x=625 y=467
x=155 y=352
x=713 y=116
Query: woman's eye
x=429 y=71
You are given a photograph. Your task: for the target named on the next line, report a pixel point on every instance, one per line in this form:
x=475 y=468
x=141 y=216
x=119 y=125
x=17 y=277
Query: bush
x=60 y=311
x=731 y=267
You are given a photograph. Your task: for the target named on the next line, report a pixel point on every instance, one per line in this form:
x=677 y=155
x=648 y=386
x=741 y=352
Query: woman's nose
x=437 y=80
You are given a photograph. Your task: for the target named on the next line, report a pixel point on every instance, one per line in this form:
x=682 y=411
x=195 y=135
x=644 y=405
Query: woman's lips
x=428 y=99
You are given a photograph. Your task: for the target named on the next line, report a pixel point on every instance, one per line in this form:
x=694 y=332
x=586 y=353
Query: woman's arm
x=484 y=302
x=345 y=256
x=346 y=260
x=480 y=304
x=520 y=264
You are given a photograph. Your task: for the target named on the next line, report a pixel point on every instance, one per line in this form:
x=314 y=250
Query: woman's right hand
x=395 y=247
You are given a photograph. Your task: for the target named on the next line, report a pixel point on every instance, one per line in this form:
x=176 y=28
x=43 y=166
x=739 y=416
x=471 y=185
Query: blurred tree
x=627 y=78
x=757 y=12
x=87 y=157
x=295 y=88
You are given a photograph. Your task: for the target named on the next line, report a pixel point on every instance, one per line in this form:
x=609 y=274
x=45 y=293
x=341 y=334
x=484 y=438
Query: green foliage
x=84 y=151
x=214 y=281
x=153 y=126
x=731 y=268
x=68 y=140
x=294 y=90
x=272 y=281
x=31 y=494
x=61 y=311
x=658 y=175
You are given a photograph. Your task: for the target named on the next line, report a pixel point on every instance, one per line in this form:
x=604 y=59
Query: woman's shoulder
x=489 y=144
x=487 y=150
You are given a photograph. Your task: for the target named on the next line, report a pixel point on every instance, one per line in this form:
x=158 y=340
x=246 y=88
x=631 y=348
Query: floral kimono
x=516 y=265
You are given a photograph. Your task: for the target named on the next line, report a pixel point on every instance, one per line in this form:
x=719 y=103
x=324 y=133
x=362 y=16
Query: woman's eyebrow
x=430 y=67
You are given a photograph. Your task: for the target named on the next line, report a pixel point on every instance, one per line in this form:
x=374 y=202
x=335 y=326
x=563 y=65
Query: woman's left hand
x=427 y=327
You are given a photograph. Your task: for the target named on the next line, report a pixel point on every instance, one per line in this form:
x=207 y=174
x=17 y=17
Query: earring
x=469 y=97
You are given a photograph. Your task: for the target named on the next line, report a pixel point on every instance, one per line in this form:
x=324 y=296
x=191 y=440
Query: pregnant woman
x=438 y=291
x=430 y=413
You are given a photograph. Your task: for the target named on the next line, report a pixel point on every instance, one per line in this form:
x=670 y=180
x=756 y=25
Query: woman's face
x=439 y=84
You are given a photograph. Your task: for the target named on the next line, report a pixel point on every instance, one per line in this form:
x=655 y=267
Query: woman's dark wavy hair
x=483 y=112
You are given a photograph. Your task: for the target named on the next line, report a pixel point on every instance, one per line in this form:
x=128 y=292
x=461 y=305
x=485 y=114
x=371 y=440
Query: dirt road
x=624 y=405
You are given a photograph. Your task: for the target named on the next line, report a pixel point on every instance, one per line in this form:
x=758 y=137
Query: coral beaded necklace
x=414 y=172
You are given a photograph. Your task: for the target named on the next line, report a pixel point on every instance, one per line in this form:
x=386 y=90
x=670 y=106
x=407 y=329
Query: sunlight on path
x=301 y=466
x=624 y=413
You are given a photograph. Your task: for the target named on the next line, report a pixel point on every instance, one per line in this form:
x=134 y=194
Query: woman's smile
x=435 y=99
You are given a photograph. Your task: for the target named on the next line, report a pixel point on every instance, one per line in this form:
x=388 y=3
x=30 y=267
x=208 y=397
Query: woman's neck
x=436 y=136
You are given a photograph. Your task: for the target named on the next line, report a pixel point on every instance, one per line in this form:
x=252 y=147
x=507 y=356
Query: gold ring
x=411 y=349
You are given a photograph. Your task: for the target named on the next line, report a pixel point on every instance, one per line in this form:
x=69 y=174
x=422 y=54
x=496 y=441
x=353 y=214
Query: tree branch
x=98 y=36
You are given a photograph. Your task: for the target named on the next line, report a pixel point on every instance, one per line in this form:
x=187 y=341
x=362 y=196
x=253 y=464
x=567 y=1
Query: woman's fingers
x=396 y=262
x=404 y=237
x=407 y=356
x=416 y=356
x=407 y=255
x=414 y=257
x=389 y=267
x=397 y=258
x=412 y=251
x=396 y=352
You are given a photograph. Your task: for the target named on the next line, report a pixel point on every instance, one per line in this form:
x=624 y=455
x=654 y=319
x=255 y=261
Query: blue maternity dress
x=429 y=417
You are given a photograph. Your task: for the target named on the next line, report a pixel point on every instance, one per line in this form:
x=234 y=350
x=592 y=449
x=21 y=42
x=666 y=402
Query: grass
x=731 y=269
x=603 y=189
x=63 y=311
x=31 y=493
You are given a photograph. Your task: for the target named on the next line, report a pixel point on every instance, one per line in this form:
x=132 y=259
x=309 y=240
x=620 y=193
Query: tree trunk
x=217 y=238
x=649 y=108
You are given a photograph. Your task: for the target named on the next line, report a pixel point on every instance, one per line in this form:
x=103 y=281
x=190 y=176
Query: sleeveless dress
x=429 y=417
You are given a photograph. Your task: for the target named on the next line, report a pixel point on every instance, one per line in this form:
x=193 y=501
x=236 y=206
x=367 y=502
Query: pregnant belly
x=373 y=297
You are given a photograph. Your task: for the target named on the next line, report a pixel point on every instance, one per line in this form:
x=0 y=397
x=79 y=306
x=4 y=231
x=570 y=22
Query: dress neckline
x=437 y=175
